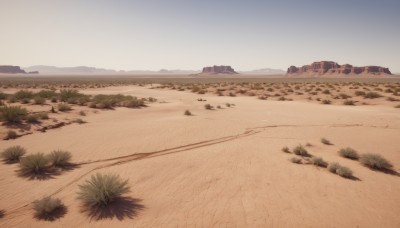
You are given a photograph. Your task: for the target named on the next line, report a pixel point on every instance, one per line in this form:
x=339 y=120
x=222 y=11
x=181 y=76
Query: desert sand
x=216 y=168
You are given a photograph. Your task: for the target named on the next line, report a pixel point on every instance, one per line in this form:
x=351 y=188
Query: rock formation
x=6 y=69
x=218 y=70
x=332 y=68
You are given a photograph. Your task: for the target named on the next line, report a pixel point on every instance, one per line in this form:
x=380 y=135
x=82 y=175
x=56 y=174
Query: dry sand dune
x=217 y=168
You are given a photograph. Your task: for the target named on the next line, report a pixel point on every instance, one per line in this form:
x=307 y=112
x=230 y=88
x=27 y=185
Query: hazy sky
x=190 y=34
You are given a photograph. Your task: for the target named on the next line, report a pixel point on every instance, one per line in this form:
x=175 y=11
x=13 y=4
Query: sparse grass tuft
x=325 y=141
x=319 y=162
x=13 y=154
x=187 y=113
x=286 y=149
x=208 y=106
x=372 y=95
x=46 y=207
x=34 y=163
x=342 y=171
x=13 y=114
x=348 y=153
x=11 y=135
x=59 y=158
x=375 y=161
x=63 y=107
x=295 y=160
x=348 y=102
x=102 y=189
x=300 y=150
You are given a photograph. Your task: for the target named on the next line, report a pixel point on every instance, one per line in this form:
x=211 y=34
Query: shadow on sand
x=56 y=214
x=122 y=208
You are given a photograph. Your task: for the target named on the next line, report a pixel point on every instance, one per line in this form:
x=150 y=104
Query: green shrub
x=295 y=160
x=286 y=149
x=348 y=153
x=46 y=207
x=325 y=141
x=70 y=94
x=34 y=163
x=13 y=154
x=63 y=107
x=318 y=162
x=46 y=94
x=300 y=150
x=13 y=114
x=59 y=158
x=102 y=189
x=375 y=161
x=187 y=113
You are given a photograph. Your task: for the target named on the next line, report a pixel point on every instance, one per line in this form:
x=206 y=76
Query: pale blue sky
x=189 y=34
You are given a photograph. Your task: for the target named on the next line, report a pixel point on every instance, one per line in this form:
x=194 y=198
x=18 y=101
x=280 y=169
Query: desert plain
x=217 y=167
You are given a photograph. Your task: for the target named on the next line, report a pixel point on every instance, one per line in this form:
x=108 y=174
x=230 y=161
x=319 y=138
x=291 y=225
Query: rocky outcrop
x=332 y=68
x=218 y=70
x=6 y=69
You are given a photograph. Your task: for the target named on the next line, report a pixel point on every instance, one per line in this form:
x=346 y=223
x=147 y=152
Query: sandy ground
x=217 y=168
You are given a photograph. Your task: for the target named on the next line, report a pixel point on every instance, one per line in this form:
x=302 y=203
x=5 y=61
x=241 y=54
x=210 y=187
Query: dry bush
x=47 y=207
x=59 y=158
x=325 y=141
x=295 y=160
x=340 y=170
x=13 y=154
x=13 y=114
x=300 y=150
x=348 y=153
x=187 y=113
x=375 y=161
x=286 y=149
x=208 y=106
x=348 y=102
x=63 y=107
x=34 y=163
x=318 y=162
x=102 y=189
x=11 y=135
x=372 y=95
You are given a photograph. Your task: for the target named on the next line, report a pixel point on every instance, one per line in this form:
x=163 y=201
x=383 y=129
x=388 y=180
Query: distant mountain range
x=42 y=69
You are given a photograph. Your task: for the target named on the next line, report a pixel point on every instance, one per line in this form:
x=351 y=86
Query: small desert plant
x=63 y=107
x=46 y=206
x=359 y=93
x=325 y=141
x=296 y=160
x=333 y=167
x=228 y=105
x=102 y=189
x=11 y=134
x=372 y=95
x=59 y=158
x=13 y=114
x=300 y=150
x=348 y=153
x=42 y=115
x=79 y=121
x=187 y=113
x=375 y=161
x=34 y=163
x=318 y=162
x=13 y=154
x=326 y=102
x=208 y=106
x=348 y=102
x=286 y=149
x=344 y=172
x=39 y=100
x=82 y=113
x=340 y=170
x=32 y=118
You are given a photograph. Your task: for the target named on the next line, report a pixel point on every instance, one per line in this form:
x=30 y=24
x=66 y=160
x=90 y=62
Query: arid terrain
x=221 y=164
